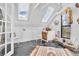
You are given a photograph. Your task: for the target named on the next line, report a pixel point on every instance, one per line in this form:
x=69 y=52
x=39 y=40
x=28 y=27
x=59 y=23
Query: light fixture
x=48 y=14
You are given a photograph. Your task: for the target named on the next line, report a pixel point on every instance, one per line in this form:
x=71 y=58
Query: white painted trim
x=6 y=28
x=4 y=32
x=19 y=41
x=12 y=23
x=9 y=54
x=12 y=41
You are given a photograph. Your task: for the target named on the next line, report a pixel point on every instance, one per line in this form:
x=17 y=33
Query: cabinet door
x=44 y=35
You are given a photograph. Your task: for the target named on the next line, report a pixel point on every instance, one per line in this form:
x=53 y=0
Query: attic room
x=39 y=29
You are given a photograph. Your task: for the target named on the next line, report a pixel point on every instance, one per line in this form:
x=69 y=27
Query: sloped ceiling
x=37 y=14
x=37 y=11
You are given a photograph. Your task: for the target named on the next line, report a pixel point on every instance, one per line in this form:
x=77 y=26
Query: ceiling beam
x=36 y=6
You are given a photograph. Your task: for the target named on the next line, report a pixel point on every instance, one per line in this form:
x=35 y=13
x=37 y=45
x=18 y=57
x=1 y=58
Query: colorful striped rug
x=50 y=51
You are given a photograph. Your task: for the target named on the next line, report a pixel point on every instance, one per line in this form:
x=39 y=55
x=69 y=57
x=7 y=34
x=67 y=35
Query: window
x=48 y=14
x=23 y=11
x=65 y=27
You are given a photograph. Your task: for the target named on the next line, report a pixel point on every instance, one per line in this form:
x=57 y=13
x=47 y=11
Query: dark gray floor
x=25 y=48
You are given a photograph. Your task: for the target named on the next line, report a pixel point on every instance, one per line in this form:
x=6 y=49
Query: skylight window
x=48 y=14
x=23 y=11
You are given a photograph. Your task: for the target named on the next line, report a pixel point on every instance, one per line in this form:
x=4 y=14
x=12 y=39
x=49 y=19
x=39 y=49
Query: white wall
x=75 y=26
x=56 y=27
x=28 y=34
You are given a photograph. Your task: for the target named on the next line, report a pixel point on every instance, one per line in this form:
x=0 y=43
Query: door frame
x=12 y=39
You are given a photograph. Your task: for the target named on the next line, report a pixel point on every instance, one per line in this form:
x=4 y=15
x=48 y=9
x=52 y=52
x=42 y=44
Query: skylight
x=23 y=11
x=48 y=14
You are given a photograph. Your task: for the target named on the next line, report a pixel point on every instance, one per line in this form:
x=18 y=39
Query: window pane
x=0 y=26
x=64 y=19
x=8 y=42
x=23 y=11
x=2 y=39
x=66 y=32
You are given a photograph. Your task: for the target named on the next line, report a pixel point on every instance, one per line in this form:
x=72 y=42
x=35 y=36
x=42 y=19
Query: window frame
x=23 y=7
x=69 y=25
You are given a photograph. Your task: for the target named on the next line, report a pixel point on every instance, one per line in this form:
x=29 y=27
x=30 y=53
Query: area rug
x=50 y=51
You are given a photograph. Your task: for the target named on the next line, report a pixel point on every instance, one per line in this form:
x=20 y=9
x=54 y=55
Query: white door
x=9 y=43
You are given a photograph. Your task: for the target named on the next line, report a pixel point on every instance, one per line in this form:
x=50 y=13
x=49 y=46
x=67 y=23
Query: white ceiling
x=36 y=14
